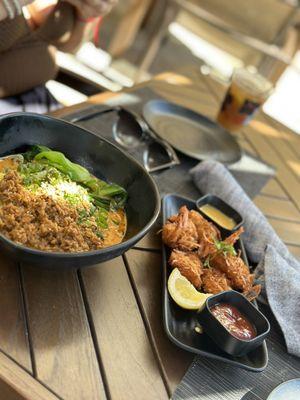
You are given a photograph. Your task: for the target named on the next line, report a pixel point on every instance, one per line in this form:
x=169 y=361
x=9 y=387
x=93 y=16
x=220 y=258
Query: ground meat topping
x=40 y=222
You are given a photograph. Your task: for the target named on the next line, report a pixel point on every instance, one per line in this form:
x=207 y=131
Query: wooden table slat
x=131 y=368
x=17 y=384
x=63 y=350
x=274 y=189
x=286 y=177
x=292 y=138
x=277 y=208
x=192 y=99
x=295 y=250
x=289 y=232
x=152 y=240
x=146 y=272
x=13 y=333
x=246 y=146
x=279 y=142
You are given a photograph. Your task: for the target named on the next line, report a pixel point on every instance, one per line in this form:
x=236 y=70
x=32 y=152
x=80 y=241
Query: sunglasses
x=131 y=131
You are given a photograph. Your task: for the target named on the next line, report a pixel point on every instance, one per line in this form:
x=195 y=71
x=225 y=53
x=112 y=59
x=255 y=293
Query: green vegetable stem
x=104 y=195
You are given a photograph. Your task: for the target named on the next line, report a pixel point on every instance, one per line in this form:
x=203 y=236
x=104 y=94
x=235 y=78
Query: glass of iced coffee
x=247 y=92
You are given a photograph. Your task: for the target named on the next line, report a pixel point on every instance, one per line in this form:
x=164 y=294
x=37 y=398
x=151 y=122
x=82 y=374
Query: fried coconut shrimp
x=188 y=264
x=232 y=265
x=180 y=232
x=207 y=234
x=214 y=281
x=237 y=272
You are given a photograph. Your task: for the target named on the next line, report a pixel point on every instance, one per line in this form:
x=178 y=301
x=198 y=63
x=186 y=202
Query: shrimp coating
x=180 y=232
x=214 y=281
x=234 y=237
x=189 y=265
x=235 y=269
x=252 y=293
x=207 y=234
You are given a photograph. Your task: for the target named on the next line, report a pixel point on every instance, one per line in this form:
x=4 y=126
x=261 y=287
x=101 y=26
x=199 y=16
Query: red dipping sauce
x=235 y=322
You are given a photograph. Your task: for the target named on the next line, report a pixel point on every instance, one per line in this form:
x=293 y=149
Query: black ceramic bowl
x=224 y=208
x=221 y=336
x=102 y=159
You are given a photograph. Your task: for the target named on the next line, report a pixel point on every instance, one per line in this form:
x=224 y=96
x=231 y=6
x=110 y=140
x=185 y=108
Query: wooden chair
x=266 y=37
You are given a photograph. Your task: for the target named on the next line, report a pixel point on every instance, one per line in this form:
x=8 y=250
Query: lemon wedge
x=184 y=293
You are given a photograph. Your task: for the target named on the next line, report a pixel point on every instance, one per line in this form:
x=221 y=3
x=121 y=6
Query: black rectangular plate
x=179 y=323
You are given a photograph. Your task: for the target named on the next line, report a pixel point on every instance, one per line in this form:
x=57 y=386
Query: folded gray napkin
x=277 y=270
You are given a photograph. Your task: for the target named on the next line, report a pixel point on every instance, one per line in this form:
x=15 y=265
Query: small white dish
x=289 y=390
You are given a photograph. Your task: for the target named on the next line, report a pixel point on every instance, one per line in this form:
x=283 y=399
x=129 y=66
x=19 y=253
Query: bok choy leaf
x=76 y=172
x=105 y=195
x=34 y=150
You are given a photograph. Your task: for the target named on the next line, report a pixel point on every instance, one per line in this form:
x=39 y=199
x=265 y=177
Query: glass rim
x=253 y=82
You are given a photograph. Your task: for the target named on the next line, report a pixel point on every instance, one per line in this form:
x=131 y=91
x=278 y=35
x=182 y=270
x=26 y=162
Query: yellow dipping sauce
x=217 y=216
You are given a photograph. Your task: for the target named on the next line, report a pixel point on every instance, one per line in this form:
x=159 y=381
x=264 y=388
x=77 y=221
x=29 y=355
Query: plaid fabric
x=38 y=100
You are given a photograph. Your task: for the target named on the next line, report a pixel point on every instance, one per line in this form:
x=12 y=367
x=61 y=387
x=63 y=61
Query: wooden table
x=97 y=333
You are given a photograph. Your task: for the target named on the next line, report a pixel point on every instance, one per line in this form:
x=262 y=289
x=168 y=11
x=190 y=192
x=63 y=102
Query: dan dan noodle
x=49 y=203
